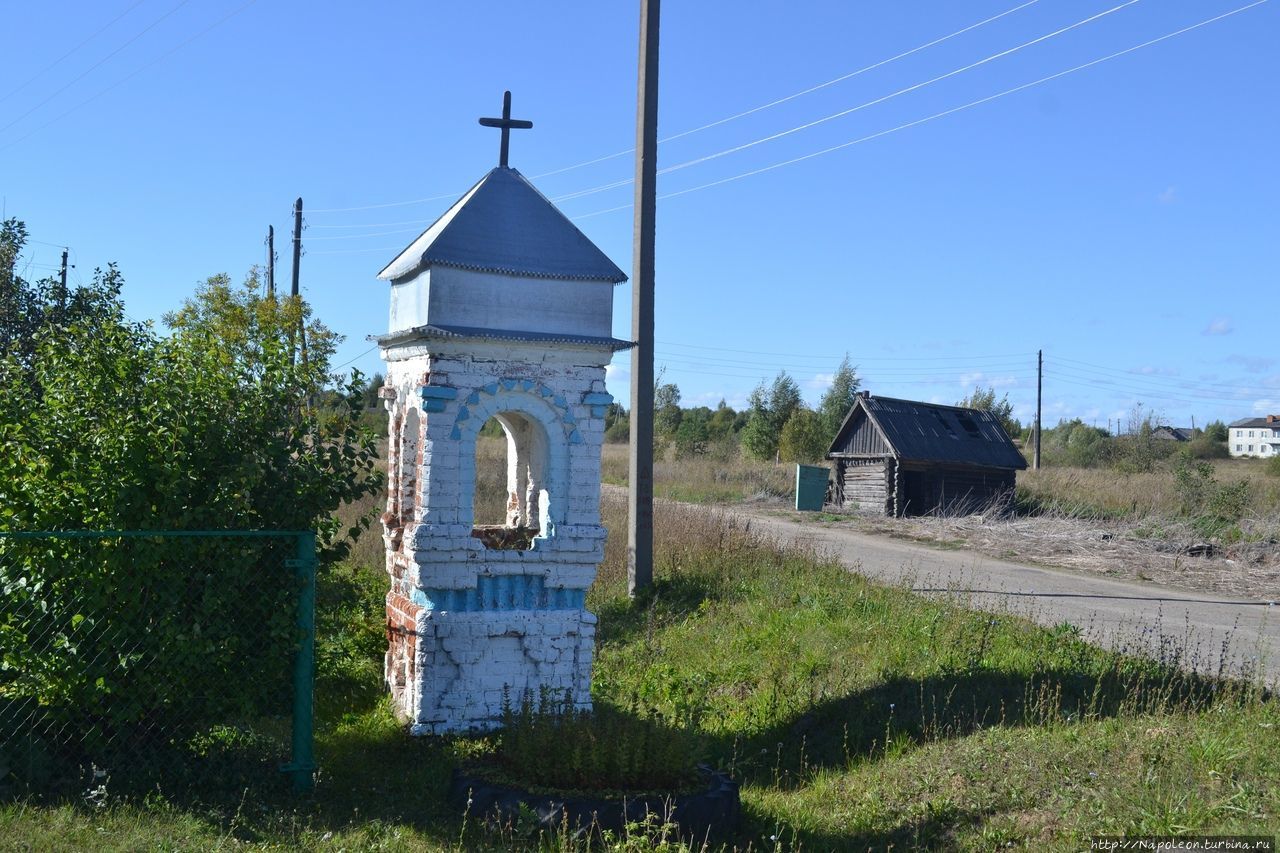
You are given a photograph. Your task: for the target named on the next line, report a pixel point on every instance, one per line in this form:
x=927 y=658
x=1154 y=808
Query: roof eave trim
x=423 y=333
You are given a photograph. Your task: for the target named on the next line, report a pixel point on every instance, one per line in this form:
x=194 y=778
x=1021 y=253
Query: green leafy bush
x=220 y=426
x=1214 y=508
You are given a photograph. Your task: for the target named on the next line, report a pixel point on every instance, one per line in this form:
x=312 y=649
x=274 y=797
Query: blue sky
x=1122 y=217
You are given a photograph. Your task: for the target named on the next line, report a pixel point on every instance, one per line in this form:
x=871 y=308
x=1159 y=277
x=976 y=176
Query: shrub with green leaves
x=221 y=425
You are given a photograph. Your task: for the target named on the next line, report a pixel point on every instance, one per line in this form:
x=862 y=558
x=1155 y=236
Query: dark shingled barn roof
x=935 y=433
x=504 y=225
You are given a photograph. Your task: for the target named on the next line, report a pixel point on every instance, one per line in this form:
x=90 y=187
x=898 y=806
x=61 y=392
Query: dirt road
x=1206 y=632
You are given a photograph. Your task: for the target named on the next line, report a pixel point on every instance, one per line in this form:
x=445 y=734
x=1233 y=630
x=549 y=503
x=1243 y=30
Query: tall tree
x=771 y=406
x=838 y=399
x=984 y=400
x=666 y=408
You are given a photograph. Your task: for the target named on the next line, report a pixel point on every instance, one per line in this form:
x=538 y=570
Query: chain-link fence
x=154 y=658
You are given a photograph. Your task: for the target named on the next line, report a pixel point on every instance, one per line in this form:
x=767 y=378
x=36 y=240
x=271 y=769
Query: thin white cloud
x=1220 y=326
x=1154 y=371
x=820 y=382
x=1268 y=406
x=984 y=380
x=1168 y=195
x=1252 y=363
x=615 y=378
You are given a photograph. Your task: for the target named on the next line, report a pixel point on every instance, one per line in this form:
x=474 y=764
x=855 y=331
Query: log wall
x=864 y=484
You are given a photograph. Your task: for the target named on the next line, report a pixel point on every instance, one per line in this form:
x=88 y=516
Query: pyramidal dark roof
x=504 y=225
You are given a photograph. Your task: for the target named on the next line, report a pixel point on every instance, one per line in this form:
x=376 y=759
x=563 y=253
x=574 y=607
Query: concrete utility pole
x=640 y=497
x=1039 y=386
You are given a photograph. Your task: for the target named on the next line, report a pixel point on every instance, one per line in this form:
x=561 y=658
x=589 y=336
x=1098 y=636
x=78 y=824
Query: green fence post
x=303 y=765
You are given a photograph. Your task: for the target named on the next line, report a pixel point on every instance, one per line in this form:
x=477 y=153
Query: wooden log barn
x=901 y=457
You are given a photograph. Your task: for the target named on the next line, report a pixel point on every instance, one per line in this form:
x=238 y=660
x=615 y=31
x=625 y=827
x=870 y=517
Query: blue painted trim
x=597 y=399
x=434 y=405
x=439 y=392
x=500 y=593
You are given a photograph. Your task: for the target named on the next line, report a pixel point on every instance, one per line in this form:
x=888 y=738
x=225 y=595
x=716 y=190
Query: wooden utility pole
x=62 y=286
x=640 y=497
x=297 y=244
x=271 y=261
x=1039 y=387
x=293 y=290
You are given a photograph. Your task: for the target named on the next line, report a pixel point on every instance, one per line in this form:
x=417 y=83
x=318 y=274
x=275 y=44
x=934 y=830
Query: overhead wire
x=59 y=60
x=707 y=126
x=905 y=90
x=792 y=161
x=838 y=357
x=1178 y=382
x=97 y=64
x=135 y=73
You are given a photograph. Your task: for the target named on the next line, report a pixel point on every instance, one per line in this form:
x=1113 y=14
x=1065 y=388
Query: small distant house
x=901 y=457
x=1255 y=437
x=1169 y=433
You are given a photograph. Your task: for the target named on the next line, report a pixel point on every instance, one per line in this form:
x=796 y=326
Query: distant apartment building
x=1255 y=437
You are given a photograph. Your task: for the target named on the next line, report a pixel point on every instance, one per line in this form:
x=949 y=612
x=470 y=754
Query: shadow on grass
x=901 y=713
x=935 y=830
x=622 y=620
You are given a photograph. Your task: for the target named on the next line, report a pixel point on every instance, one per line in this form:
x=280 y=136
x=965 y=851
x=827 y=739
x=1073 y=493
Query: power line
x=915 y=369
x=86 y=72
x=357 y=358
x=126 y=79
x=366 y=236
x=359 y=251
x=861 y=106
x=1150 y=378
x=708 y=126
x=803 y=92
x=1139 y=388
x=57 y=61
x=942 y=114
x=838 y=357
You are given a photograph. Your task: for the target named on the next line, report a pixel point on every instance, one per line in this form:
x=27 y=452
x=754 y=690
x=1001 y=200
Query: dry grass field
x=713 y=477
x=1106 y=492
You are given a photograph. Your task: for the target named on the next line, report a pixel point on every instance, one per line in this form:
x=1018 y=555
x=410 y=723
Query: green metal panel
x=811 y=487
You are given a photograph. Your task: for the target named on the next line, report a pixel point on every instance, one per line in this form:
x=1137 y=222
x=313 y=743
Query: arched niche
x=537 y=468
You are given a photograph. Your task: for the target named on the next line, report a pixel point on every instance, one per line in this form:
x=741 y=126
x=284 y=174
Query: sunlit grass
x=855 y=715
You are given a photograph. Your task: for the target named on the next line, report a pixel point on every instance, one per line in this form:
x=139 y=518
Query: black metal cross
x=506 y=123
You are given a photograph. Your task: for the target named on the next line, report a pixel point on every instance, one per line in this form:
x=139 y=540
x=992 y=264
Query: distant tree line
x=1138 y=448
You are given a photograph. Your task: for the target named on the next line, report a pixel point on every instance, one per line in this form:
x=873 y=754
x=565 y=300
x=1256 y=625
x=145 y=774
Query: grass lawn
x=855 y=715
